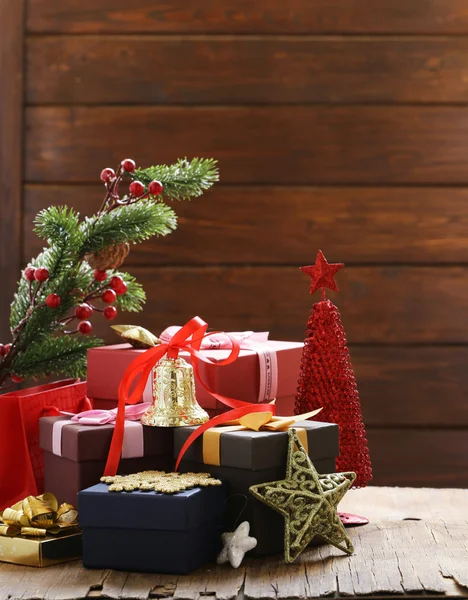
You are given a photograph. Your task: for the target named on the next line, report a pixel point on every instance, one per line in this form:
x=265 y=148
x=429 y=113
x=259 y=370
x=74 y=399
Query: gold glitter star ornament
x=308 y=502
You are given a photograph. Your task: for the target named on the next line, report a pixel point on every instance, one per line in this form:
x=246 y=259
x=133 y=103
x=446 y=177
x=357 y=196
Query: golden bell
x=174 y=400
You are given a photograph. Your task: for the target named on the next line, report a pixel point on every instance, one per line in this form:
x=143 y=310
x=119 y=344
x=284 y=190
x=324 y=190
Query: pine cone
x=110 y=257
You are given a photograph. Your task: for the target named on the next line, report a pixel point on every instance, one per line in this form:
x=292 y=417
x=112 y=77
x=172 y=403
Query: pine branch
x=59 y=260
x=184 y=179
x=59 y=225
x=130 y=223
x=39 y=343
x=134 y=298
x=58 y=355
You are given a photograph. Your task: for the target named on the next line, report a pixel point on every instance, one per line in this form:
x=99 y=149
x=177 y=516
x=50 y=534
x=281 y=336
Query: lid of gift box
x=150 y=510
x=92 y=442
x=258 y=450
x=241 y=379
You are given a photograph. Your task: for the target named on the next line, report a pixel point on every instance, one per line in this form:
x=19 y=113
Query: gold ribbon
x=38 y=516
x=261 y=421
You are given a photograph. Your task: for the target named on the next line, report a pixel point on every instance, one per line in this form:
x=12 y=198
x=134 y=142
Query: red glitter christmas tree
x=327 y=377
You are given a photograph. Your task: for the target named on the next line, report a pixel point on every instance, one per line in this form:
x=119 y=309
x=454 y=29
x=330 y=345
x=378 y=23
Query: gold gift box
x=40 y=552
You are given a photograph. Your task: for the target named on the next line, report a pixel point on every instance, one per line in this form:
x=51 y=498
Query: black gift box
x=248 y=458
x=150 y=531
x=84 y=450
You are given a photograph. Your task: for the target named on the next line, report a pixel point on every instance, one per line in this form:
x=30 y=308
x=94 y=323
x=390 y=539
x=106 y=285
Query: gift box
x=40 y=552
x=38 y=532
x=21 y=458
x=150 y=531
x=247 y=458
x=258 y=375
x=75 y=455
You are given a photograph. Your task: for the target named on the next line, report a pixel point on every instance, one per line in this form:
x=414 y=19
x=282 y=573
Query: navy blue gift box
x=150 y=531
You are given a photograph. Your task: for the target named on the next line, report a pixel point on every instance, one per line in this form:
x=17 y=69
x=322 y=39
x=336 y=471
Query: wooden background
x=338 y=124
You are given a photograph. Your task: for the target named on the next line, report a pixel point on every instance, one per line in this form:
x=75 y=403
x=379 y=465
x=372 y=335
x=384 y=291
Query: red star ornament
x=322 y=273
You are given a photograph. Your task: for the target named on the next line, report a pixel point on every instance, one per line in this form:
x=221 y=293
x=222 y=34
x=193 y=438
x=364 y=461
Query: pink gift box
x=241 y=380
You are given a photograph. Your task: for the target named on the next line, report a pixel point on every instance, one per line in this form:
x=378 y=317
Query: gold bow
x=137 y=336
x=260 y=421
x=38 y=516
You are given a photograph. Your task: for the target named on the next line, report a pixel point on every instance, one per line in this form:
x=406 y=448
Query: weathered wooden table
x=416 y=544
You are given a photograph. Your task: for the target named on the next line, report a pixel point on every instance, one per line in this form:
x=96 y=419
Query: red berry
x=16 y=379
x=155 y=188
x=110 y=312
x=85 y=327
x=53 y=300
x=29 y=273
x=118 y=285
x=136 y=188
x=109 y=296
x=107 y=174
x=100 y=275
x=83 y=311
x=7 y=348
x=122 y=289
x=2 y=350
x=128 y=165
x=115 y=282
x=41 y=274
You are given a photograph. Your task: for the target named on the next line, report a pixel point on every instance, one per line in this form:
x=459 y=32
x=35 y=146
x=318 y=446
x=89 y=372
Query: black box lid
x=257 y=450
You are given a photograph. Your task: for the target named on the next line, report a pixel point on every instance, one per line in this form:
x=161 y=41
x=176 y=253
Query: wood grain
x=319 y=144
x=374 y=301
x=393 y=556
x=419 y=457
x=277 y=225
x=412 y=387
x=226 y=70
x=11 y=120
x=242 y=16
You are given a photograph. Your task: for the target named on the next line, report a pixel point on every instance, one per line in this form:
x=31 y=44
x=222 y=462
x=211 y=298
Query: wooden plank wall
x=338 y=124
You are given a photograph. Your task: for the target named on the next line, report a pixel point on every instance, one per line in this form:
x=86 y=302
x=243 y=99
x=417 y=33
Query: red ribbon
x=189 y=339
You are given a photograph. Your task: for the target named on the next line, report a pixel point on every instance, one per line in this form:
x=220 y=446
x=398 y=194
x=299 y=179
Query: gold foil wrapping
x=40 y=551
x=37 y=532
x=174 y=399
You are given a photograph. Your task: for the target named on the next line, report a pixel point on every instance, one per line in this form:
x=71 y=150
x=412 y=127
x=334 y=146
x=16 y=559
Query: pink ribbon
x=247 y=340
x=133 y=444
x=133 y=412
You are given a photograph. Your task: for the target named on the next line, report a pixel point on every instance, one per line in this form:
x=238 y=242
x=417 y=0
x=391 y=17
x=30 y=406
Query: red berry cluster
x=36 y=276
x=84 y=311
x=39 y=275
x=108 y=294
x=136 y=189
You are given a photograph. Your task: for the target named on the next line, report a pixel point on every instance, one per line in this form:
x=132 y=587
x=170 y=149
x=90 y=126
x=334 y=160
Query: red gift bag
x=21 y=458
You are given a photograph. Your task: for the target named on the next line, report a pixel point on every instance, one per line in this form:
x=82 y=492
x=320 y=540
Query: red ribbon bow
x=189 y=339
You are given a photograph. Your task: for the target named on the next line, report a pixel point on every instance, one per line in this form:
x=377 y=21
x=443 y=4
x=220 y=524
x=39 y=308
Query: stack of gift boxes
x=151 y=531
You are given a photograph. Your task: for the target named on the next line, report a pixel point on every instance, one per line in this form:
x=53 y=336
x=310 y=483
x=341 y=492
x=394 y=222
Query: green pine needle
x=64 y=355
x=59 y=225
x=184 y=179
x=134 y=223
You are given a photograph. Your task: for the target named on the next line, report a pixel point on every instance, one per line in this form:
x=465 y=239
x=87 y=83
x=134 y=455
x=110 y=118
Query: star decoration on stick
x=307 y=502
x=322 y=273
